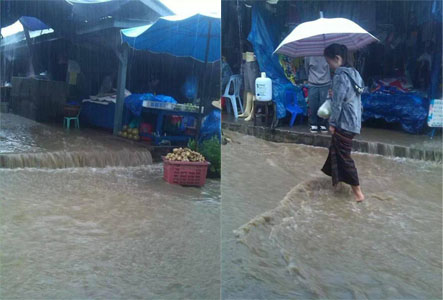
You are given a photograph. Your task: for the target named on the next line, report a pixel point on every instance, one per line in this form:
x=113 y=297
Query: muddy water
x=287 y=234
x=21 y=135
x=100 y=233
x=111 y=233
x=63 y=159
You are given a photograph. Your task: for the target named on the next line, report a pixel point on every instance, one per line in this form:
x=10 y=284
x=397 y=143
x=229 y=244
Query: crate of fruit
x=185 y=167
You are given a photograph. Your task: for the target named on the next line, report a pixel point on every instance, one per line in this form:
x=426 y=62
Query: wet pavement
x=287 y=234
x=97 y=225
x=370 y=135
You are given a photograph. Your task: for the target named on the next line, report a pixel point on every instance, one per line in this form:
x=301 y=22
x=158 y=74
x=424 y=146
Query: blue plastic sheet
x=391 y=105
x=164 y=98
x=190 y=87
x=264 y=31
x=134 y=102
x=33 y=23
x=179 y=37
x=211 y=125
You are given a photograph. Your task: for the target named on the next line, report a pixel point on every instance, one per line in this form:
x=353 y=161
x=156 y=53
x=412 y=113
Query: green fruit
x=124 y=134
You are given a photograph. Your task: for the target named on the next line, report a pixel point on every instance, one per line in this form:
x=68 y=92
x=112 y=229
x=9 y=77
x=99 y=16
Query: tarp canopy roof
x=33 y=23
x=178 y=36
x=61 y=15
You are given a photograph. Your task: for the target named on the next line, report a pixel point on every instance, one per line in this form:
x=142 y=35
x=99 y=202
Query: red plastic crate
x=185 y=173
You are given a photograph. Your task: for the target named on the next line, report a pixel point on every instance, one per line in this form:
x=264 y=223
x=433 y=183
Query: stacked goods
x=185 y=155
x=130 y=133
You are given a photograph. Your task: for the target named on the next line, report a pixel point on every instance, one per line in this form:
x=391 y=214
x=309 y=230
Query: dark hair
x=336 y=49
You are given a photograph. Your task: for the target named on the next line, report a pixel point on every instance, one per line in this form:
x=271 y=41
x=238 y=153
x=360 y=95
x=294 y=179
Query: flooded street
x=108 y=228
x=26 y=143
x=287 y=234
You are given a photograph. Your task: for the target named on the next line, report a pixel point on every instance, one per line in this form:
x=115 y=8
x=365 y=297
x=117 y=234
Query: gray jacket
x=346 y=103
x=317 y=70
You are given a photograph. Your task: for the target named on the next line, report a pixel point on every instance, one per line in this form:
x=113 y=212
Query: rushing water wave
x=316 y=241
x=87 y=216
x=78 y=159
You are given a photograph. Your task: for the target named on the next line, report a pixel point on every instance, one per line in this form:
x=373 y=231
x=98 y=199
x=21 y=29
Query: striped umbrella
x=311 y=38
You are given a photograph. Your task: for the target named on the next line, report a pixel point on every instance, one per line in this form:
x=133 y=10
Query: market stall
x=45 y=72
x=162 y=109
x=197 y=37
x=409 y=51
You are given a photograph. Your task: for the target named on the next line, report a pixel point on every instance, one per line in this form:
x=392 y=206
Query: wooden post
x=121 y=86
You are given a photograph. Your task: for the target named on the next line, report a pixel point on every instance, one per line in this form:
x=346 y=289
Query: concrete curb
x=319 y=140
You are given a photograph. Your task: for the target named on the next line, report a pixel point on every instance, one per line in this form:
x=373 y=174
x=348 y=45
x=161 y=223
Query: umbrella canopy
x=178 y=36
x=311 y=38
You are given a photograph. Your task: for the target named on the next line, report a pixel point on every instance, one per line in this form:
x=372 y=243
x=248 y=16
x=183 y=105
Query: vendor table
x=161 y=112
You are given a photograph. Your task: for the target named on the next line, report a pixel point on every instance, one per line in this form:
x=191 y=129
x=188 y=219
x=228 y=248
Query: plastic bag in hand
x=324 y=111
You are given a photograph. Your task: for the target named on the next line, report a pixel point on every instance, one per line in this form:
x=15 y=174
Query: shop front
x=402 y=72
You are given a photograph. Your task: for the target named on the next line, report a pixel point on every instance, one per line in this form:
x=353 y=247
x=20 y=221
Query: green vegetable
x=192 y=145
x=211 y=150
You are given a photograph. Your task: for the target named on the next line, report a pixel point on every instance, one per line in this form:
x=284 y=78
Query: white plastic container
x=263 y=88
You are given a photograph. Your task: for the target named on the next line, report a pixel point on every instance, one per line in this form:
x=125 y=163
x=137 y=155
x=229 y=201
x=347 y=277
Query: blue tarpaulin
x=264 y=32
x=183 y=37
x=394 y=106
x=33 y=23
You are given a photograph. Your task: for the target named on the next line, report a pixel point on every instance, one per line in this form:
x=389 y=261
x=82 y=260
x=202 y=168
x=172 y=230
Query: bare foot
x=359 y=197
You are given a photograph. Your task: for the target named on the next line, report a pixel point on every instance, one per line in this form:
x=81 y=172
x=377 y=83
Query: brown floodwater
x=90 y=217
x=26 y=143
x=286 y=233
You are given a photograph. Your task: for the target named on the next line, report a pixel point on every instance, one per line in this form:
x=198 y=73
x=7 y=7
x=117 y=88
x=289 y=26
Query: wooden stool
x=264 y=105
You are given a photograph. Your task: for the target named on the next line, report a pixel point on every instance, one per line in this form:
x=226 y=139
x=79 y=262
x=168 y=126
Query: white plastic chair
x=236 y=81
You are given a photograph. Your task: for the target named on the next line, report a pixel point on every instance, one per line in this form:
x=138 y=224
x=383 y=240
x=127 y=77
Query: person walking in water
x=345 y=119
x=319 y=80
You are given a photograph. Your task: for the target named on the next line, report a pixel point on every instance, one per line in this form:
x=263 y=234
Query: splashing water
x=287 y=233
x=85 y=216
